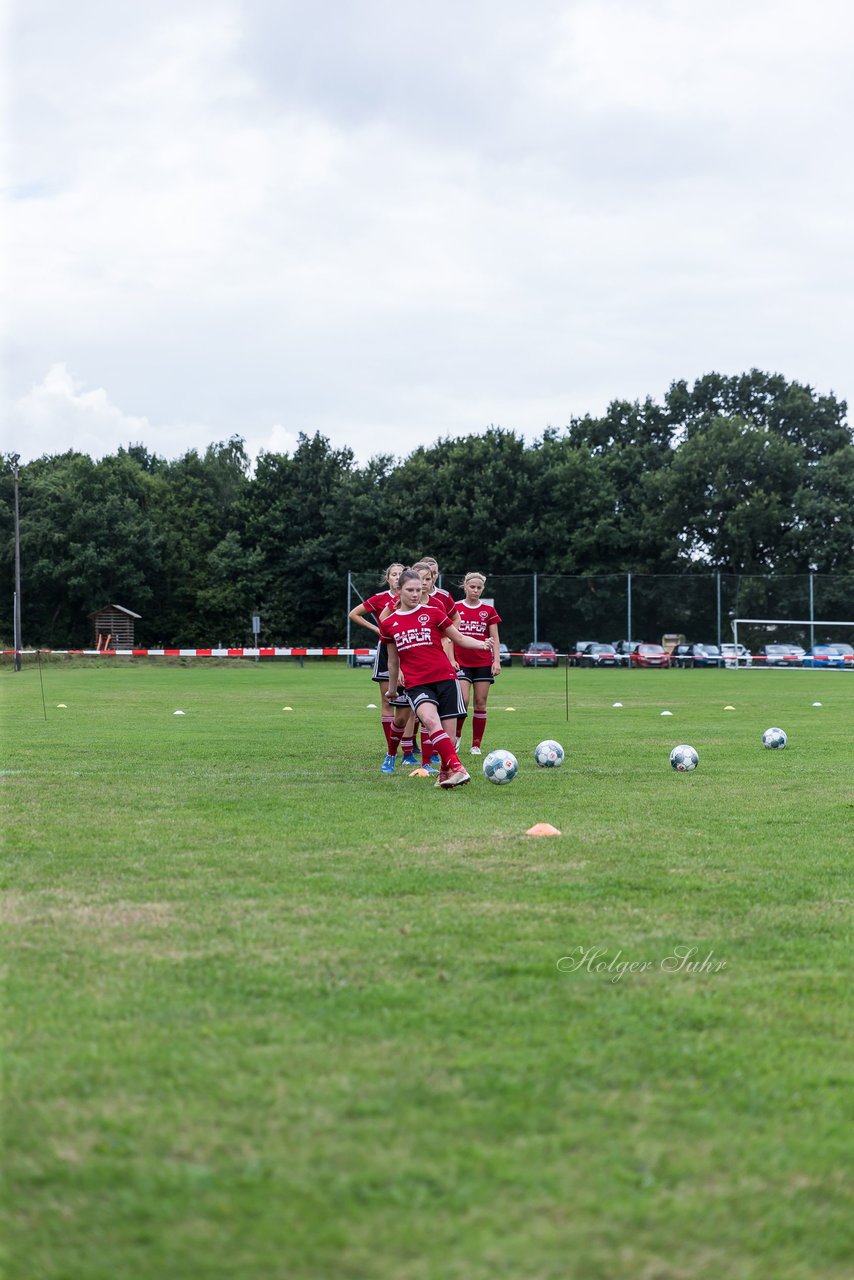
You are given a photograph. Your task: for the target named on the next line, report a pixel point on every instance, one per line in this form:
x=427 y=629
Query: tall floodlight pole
x=14 y=459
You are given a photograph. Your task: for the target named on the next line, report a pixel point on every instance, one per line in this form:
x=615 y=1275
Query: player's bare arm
x=358 y=615
x=467 y=642
x=496 y=656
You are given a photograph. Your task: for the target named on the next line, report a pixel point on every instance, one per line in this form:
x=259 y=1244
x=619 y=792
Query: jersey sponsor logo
x=404 y=639
x=471 y=625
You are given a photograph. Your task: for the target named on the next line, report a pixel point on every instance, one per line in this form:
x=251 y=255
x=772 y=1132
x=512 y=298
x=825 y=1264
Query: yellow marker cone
x=287 y=708
x=542 y=829
x=62 y=705
x=509 y=708
x=729 y=708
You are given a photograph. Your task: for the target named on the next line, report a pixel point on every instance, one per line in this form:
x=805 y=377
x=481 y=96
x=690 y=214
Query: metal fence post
x=718 y=576
x=812 y=613
x=628 y=606
x=535 y=608
x=350 y=658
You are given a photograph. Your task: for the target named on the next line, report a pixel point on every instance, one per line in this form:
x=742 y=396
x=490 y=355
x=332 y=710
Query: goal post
x=791 y=631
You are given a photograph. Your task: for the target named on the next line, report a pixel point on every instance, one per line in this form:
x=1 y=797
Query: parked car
x=540 y=654
x=599 y=655
x=624 y=650
x=847 y=652
x=828 y=655
x=364 y=659
x=696 y=655
x=781 y=655
x=649 y=655
x=577 y=649
x=505 y=656
x=736 y=655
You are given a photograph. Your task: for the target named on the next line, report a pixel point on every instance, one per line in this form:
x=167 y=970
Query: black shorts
x=380 y=671
x=476 y=675
x=400 y=699
x=445 y=695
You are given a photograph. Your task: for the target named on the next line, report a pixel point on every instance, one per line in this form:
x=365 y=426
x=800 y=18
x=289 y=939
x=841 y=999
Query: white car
x=736 y=656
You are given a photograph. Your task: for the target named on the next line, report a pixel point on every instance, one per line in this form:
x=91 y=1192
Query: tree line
x=748 y=474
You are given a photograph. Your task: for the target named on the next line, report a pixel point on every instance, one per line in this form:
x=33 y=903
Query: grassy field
x=268 y=1013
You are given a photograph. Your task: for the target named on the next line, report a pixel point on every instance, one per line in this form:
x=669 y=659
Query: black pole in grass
x=41 y=682
x=566 y=683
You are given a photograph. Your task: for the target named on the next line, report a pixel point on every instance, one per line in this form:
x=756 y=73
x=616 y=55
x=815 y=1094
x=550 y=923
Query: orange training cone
x=542 y=829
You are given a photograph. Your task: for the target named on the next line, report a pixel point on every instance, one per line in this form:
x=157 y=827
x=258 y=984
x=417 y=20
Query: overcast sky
x=392 y=222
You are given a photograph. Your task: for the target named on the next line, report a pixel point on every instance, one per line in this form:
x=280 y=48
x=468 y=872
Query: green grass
x=270 y=1014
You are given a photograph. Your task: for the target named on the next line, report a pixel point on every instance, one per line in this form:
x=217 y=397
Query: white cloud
x=60 y=414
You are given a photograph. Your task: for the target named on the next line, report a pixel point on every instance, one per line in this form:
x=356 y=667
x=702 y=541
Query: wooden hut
x=115 y=621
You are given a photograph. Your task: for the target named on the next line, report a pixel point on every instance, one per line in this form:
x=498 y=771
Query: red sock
x=442 y=743
x=461 y=724
x=387 y=722
x=478 y=728
x=406 y=746
x=394 y=737
x=426 y=746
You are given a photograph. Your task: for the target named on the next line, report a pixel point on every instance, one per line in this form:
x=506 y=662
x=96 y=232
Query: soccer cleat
x=442 y=780
x=387 y=765
x=476 y=751
x=436 y=759
x=455 y=778
x=411 y=759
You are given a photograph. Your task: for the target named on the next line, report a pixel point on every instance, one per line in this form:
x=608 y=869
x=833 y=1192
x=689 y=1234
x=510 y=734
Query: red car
x=649 y=655
x=540 y=654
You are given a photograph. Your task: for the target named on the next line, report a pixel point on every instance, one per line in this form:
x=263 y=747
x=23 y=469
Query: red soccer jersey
x=475 y=621
x=417 y=635
x=442 y=599
x=376 y=604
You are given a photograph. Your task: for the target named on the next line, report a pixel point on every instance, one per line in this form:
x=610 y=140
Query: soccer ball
x=549 y=754
x=500 y=766
x=684 y=758
x=774 y=738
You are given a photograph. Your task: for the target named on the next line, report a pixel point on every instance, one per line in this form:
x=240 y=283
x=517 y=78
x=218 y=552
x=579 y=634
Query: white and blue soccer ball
x=500 y=766
x=549 y=754
x=774 y=739
x=684 y=758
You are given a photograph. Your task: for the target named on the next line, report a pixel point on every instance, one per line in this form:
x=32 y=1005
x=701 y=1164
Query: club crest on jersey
x=484 y=613
x=424 y=618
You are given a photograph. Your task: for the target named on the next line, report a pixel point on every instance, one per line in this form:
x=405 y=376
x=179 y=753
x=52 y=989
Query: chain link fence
x=646 y=607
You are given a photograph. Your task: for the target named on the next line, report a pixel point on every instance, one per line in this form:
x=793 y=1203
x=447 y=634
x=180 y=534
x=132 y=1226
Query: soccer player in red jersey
x=476 y=670
x=374 y=605
x=414 y=633
x=440 y=599
x=439 y=594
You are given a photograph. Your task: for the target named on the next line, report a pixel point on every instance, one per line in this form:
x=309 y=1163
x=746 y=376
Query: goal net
x=790 y=643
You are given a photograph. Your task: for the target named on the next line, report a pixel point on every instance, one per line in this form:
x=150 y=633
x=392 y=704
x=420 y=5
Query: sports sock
x=461 y=724
x=442 y=743
x=394 y=737
x=478 y=728
x=387 y=722
x=426 y=746
x=406 y=746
